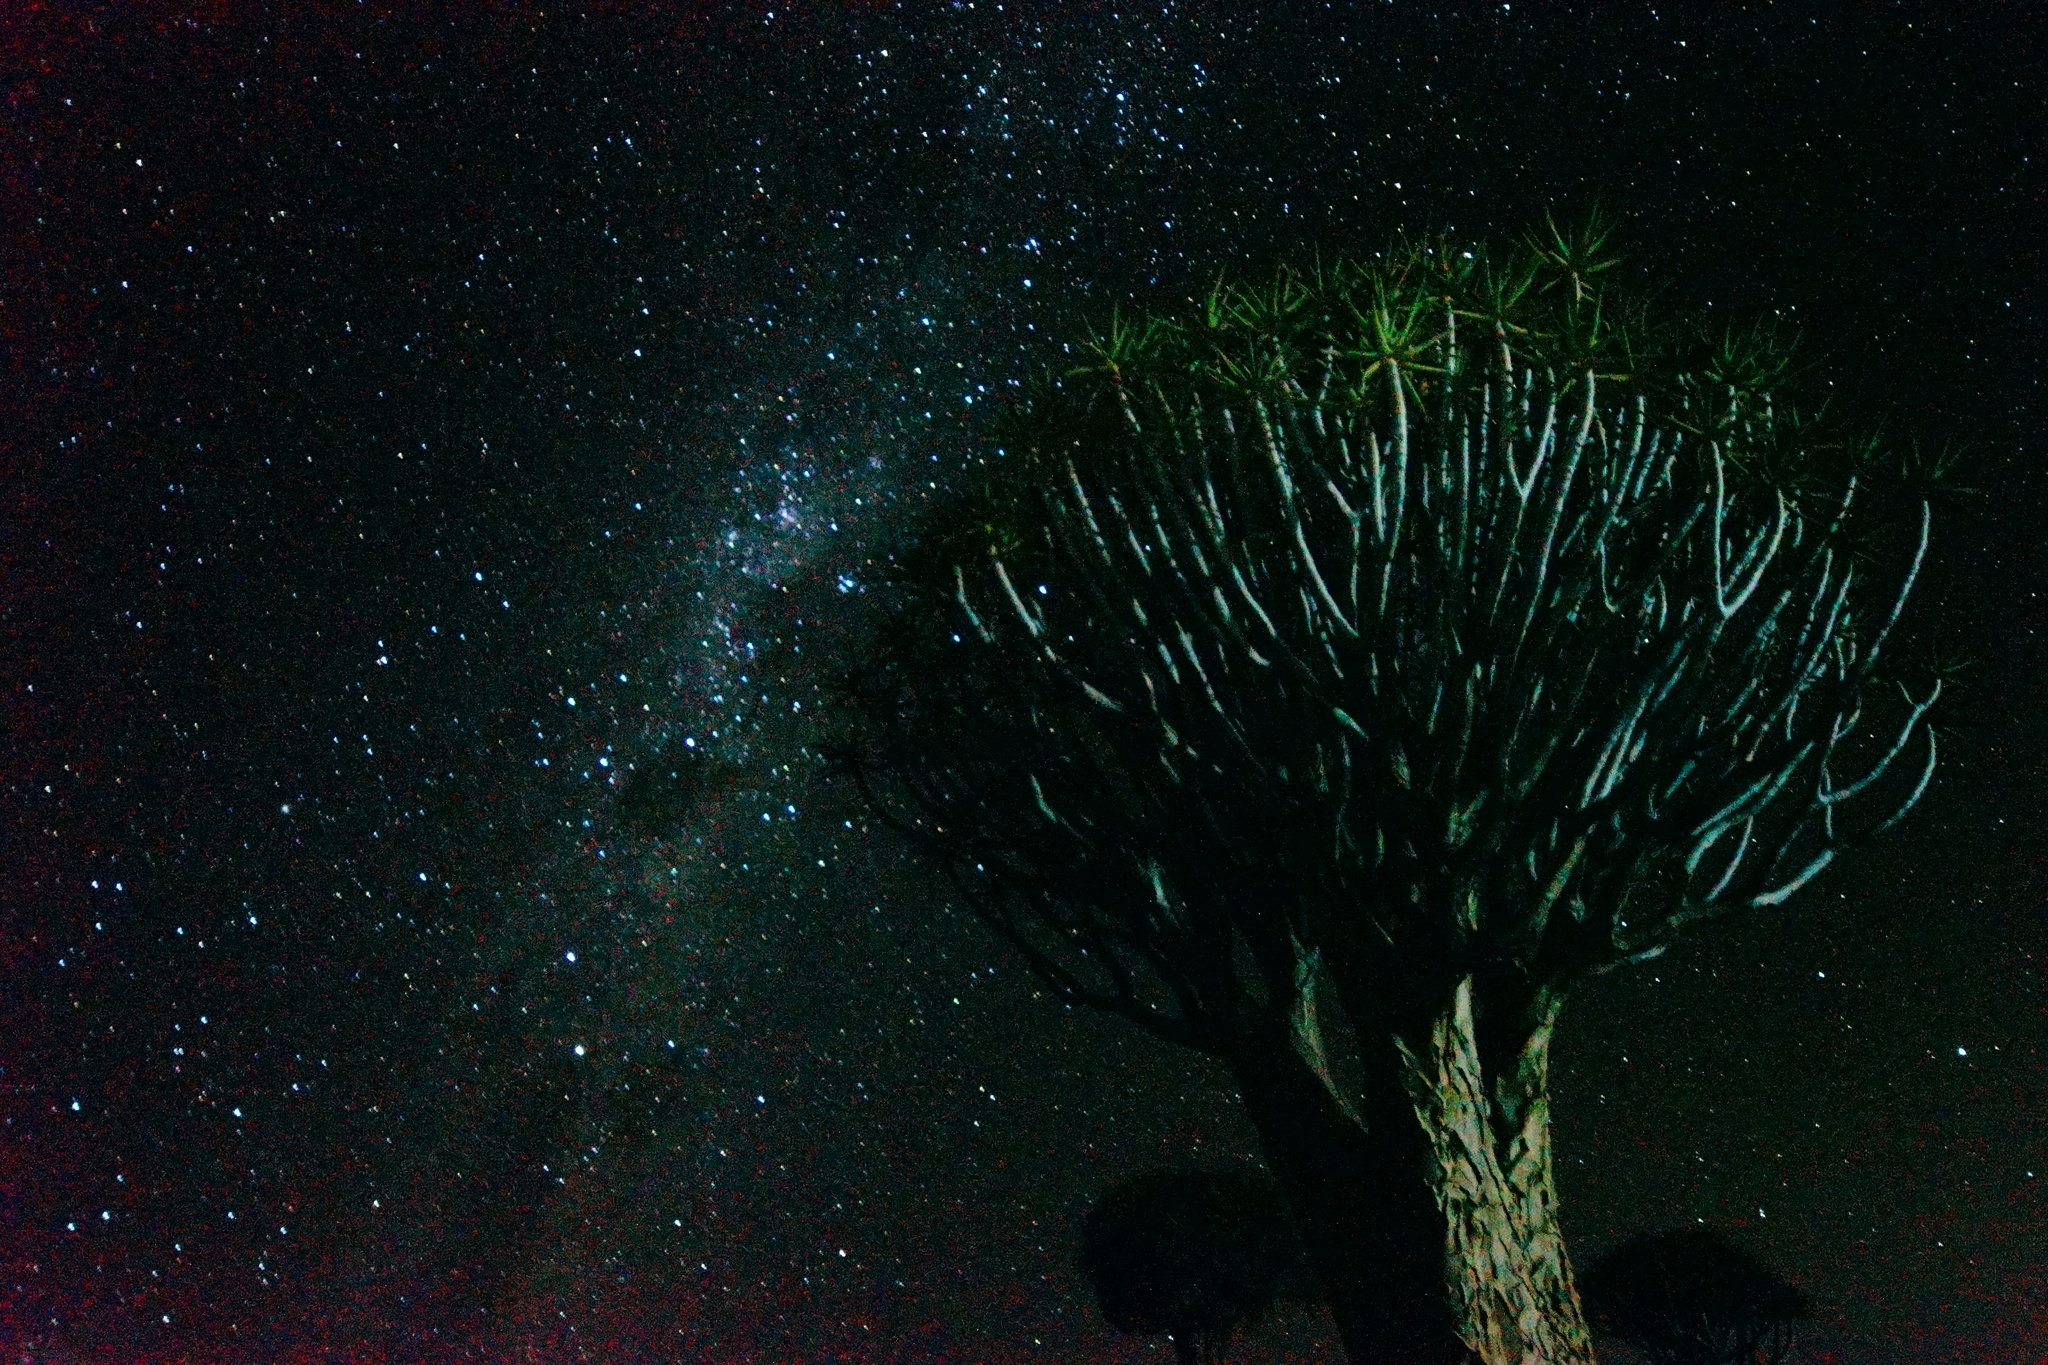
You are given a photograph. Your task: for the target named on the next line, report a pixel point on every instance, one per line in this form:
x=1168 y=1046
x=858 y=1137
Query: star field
x=446 y=446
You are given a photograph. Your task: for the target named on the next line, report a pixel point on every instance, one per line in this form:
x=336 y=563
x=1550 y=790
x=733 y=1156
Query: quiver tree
x=1331 y=677
x=1688 y=1296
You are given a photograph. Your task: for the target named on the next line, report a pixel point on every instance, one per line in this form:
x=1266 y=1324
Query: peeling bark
x=1505 y=1265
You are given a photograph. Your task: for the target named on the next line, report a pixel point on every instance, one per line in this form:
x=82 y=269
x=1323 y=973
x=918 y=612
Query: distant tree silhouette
x=1194 y=1255
x=1688 y=1296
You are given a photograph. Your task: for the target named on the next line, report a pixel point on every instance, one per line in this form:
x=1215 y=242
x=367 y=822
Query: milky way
x=450 y=451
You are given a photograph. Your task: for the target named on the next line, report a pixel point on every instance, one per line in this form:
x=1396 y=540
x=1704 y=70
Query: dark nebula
x=441 y=444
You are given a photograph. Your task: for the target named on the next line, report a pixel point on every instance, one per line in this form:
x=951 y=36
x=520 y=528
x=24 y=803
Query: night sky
x=442 y=444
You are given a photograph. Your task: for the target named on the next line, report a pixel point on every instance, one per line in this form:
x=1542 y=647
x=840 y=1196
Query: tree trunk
x=1508 y=1277
x=1370 y=1228
x=1432 y=1224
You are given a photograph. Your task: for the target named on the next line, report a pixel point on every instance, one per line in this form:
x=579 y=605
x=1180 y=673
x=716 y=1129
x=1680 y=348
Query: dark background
x=433 y=433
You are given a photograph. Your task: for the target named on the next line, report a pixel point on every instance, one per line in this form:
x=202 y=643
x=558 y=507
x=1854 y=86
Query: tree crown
x=1394 y=622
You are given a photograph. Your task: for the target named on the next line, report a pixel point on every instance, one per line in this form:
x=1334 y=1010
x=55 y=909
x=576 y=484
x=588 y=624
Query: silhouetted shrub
x=1688 y=1296
x=1192 y=1254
